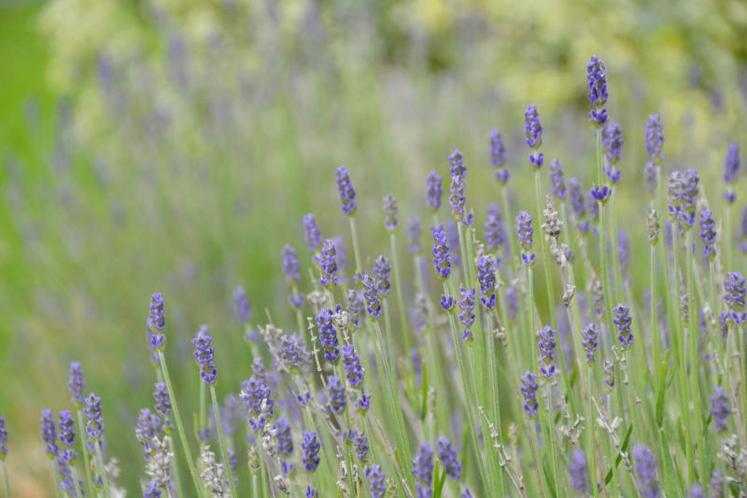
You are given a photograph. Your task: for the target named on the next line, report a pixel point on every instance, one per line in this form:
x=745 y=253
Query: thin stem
x=356 y=251
x=6 y=479
x=221 y=441
x=84 y=450
x=404 y=331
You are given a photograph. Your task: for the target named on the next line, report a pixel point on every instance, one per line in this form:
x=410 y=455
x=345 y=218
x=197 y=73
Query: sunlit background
x=174 y=145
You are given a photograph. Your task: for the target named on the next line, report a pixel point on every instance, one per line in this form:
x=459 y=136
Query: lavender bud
x=447 y=302
x=328 y=263
x=486 y=268
x=578 y=200
x=382 y=274
x=75 y=384
x=413 y=235
x=49 y=432
x=683 y=194
x=328 y=335
x=735 y=291
x=532 y=127
x=67 y=428
x=94 y=420
x=433 y=191
x=529 y=391
x=497 y=149
x=376 y=481
x=467 y=316
x=654 y=138
x=360 y=443
x=596 y=81
x=290 y=265
x=371 y=295
x=390 y=212
x=601 y=193
x=422 y=469
x=622 y=321
x=708 y=234
x=352 y=364
x=3 y=441
x=241 y=305
x=579 y=473
x=645 y=466
x=547 y=350
x=494 y=231
x=720 y=410
x=557 y=179
x=283 y=437
x=205 y=355
x=447 y=457
x=346 y=191
x=310 y=447
x=612 y=142
x=311 y=233
x=441 y=256
x=525 y=233
x=457 y=199
x=590 y=341
x=731 y=163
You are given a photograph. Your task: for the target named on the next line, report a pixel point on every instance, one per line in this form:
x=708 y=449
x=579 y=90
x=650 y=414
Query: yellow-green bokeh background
x=118 y=179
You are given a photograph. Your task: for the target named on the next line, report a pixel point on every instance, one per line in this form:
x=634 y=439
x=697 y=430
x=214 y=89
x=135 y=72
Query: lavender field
x=528 y=278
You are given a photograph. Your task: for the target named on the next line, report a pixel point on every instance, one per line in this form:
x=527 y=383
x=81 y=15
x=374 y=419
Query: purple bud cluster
x=457 y=200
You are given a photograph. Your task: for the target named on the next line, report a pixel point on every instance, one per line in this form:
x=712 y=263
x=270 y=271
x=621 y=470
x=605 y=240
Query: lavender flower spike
x=622 y=321
x=346 y=191
x=612 y=141
x=390 y=212
x=590 y=341
x=433 y=191
x=735 y=291
x=448 y=458
x=441 y=256
x=328 y=263
x=336 y=392
x=49 y=432
x=708 y=234
x=310 y=448
x=290 y=264
x=645 y=466
x=371 y=295
x=486 y=268
x=557 y=179
x=3 y=440
x=579 y=473
x=311 y=233
x=525 y=233
x=352 y=364
x=376 y=481
x=156 y=323
x=596 y=81
x=654 y=138
x=720 y=410
x=75 y=384
x=529 y=392
x=532 y=127
x=205 y=355
x=328 y=335
x=731 y=164
x=467 y=316
x=241 y=304
x=422 y=469
x=94 y=420
x=497 y=149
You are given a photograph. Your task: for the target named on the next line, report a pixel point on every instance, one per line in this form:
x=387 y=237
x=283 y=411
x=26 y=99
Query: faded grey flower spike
x=653 y=226
x=159 y=465
x=553 y=224
x=213 y=474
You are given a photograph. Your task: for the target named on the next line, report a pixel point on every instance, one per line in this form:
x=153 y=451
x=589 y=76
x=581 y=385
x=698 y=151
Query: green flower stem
x=404 y=329
x=6 y=479
x=222 y=440
x=512 y=244
x=356 y=250
x=86 y=459
x=202 y=423
x=546 y=268
x=55 y=480
x=180 y=426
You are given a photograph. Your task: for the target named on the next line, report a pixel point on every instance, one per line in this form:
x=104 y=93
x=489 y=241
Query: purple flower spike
x=346 y=191
x=731 y=163
x=457 y=199
x=161 y=400
x=547 y=349
x=376 y=481
x=467 y=306
x=654 y=139
x=413 y=235
x=422 y=469
x=75 y=384
x=352 y=364
x=311 y=233
x=590 y=341
x=241 y=305
x=486 y=268
x=156 y=323
x=612 y=141
x=735 y=291
x=622 y=321
x=596 y=81
x=683 y=195
x=708 y=234
x=291 y=266
x=433 y=191
x=390 y=212
x=382 y=274
x=328 y=335
x=645 y=466
x=441 y=256
x=557 y=179
x=94 y=420
x=525 y=233
x=529 y=391
x=205 y=355
x=310 y=447
x=494 y=231
x=579 y=473
x=66 y=427
x=371 y=295
x=283 y=437
x=49 y=432
x=497 y=149
x=532 y=127
x=720 y=410
x=448 y=458
x=336 y=393
x=3 y=440
x=578 y=199
x=328 y=263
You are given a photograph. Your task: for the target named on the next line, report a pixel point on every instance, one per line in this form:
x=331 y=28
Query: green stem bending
x=222 y=442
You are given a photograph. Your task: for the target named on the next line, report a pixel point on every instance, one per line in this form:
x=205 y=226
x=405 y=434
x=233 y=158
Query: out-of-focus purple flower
x=532 y=127
x=161 y=400
x=525 y=233
x=360 y=444
x=600 y=193
x=291 y=266
x=257 y=397
x=696 y=492
x=292 y=354
x=156 y=315
x=623 y=321
x=579 y=473
x=382 y=274
x=494 y=230
x=352 y=364
x=683 y=195
x=720 y=410
x=467 y=306
x=557 y=179
x=456 y=163
x=623 y=251
x=311 y=233
x=448 y=458
x=422 y=469
x=441 y=256
x=457 y=199
x=283 y=437
x=537 y=159
x=311 y=492
x=376 y=481
x=596 y=82
x=512 y=302
x=66 y=427
x=364 y=402
x=413 y=235
x=328 y=263
x=486 y=268
x=547 y=349
x=612 y=141
x=497 y=149
x=447 y=302
x=341 y=256
x=94 y=420
x=529 y=392
x=466 y=493
x=708 y=234
x=310 y=447
x=735 y=291
x=390 y=212
x=717 y=484
x=232 y=414
x=328 y=335
x=590 y=341
x=371 y=295
x=3 y=440
x=148 y=427
x=650 y=176
x=645 y=466
x=241 y=304
x=578 y=200
x=346 y=191
x=433 y=191
x=731 y=163
x=75 y=384
x=355 y=307
x=205 y=355
x=654 y=139
x=49 y=432
x=452 y=235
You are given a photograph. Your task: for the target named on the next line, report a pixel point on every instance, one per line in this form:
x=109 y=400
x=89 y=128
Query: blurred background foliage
x=175 y=144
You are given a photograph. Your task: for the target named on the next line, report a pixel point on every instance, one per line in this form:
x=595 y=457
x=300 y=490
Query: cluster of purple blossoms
x=336 y=393
x=708 y=234
x=498 y=156
x=731 y=171
x=422 y=469
x=311 y=234
x=448 y=458
x=494 y=232
x=612 y=142
x=3 y=440
x=241 y=305
x=547 y=348
x=49 y=432
x=578 y=471
x=390 y=212
x=600 y=194
x=441 y=256
x=328 y=335
x=654 y=145
x=578 y=200
x=156 y=322
x=683 y=195
x=371 y=295
x=457 y=199
x=596 y=82
x=735 y=291
x=75 y=384
x=292 y=355
x=645 y=466
x=413 y=235
x=525 y=233
x=467 y=316
x=382 y=271
x=557 y=179
x=720 y=410
x=291 y=266
x=355 y=307
x=376 y=481
x=257 y=397
x=623 y=251
x=446 y=302
x=327 y=261
x=623 y=321
x=66 y=427
x=310 y=448
x=352 y=364
x=94 y=419
x=529 y=392
x=486 y=268
x=433 y=191
x=205 y=355
x=590 y=341
x=533 y=135
x=346 y=191
x=360 y=444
